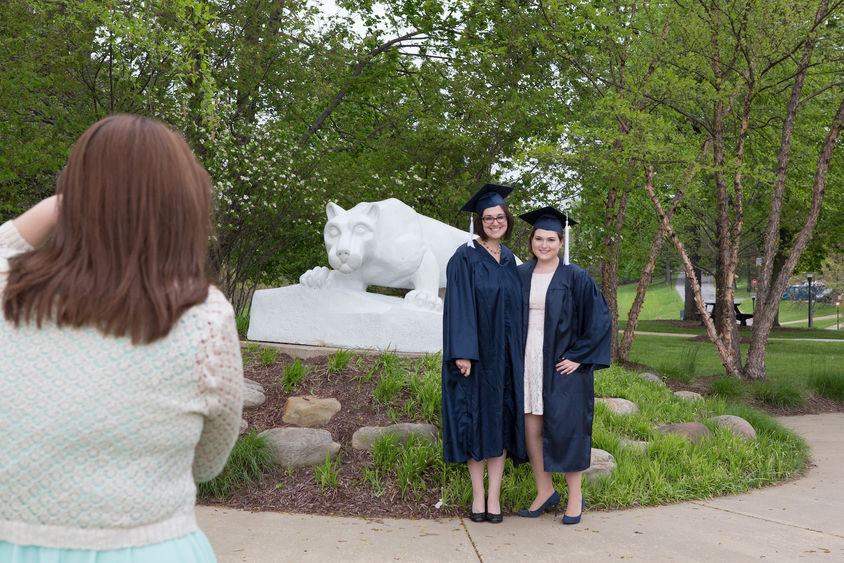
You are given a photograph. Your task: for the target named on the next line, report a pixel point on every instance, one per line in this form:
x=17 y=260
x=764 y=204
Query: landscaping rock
x=364 y=437
x=252 y=383
x=739 y=426
x=300 y=447
x=695 y=432
x=652 y=377
x=244 y=426
x=688 y=395
x=309 y=411
x=253 y=394
x=618 y=405
x=637 y=445
x=601 y=465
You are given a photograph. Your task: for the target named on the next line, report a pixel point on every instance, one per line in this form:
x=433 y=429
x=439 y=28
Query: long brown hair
x=128 y=253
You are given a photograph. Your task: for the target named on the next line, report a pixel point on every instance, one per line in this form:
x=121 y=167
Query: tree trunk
x=755 y=367
x=647 y=270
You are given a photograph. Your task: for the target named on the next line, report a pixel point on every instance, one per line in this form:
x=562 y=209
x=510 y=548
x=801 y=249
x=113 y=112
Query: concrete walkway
x=802 y=519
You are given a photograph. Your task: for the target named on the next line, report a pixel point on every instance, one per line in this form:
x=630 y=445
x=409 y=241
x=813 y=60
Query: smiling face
x=545 y=244
x=494 y=222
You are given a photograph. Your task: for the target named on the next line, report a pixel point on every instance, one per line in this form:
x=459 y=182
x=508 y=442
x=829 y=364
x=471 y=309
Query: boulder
x=652 y=377
x=695 y=432
x=618 y=405
x=635 y=445
x=688 y=395
x=244 y=426
x=309 y=411
x=365 y=436
x=739 y=426
x=300 y=447
x=601 y=465
x=253 y=394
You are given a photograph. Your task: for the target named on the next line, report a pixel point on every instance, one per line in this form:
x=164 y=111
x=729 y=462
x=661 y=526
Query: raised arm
x=36 y=224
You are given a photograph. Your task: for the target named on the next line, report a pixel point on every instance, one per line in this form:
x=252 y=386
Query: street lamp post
x=809 y=277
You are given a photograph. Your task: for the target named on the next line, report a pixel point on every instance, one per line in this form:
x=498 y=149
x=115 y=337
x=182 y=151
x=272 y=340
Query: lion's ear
x=332 y=210
x=372 y=211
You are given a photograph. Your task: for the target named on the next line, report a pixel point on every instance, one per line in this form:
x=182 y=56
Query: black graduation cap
x=551 y=219
x=548 y=218
x=488 y=196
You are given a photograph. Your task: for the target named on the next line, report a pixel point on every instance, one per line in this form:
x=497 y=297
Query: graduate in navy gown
x=567 y=338
x=483 y=352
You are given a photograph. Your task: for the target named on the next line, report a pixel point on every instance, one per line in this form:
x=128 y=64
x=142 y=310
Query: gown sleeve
x=593 y=325
x=460 y=323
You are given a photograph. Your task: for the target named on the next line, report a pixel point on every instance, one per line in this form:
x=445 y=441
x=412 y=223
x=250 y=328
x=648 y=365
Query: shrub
x=249 y=459
x=830 y=385
x=778 y=394
x=293 y=375
x=727 y=387
x=327 y=474
x=268 y=356
x=242 y=323
x=339 y=360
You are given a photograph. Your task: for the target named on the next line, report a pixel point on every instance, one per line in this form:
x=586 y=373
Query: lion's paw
x=316 y=278
x=424 y=299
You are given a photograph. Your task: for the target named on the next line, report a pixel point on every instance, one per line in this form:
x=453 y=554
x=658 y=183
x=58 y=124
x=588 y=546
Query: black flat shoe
x=477 y=516
x=494 y=518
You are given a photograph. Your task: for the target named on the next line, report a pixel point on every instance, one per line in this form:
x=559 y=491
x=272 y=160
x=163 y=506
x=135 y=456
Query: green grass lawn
x=662 y=302
x=793 y=362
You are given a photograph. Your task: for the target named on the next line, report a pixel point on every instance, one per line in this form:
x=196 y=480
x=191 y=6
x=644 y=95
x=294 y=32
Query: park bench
x=741 y=318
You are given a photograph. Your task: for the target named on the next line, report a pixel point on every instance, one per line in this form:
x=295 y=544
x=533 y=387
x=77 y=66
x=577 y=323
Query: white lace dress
x=533 y=347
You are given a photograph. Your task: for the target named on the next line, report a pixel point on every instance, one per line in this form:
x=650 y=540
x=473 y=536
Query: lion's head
x=348 y=233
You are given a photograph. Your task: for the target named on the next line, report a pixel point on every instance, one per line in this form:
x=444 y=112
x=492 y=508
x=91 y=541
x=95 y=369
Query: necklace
x=491 y=251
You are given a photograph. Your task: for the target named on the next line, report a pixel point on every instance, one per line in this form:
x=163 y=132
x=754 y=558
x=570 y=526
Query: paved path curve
x=801 y=519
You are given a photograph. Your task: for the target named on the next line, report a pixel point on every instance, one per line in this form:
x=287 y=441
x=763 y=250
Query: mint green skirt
x=192 y=548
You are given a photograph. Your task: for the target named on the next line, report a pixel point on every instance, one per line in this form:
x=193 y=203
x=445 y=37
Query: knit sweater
x=101 y=441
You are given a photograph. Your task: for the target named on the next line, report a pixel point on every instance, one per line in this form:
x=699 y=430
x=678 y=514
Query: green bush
x=830 y=385
x=328 y=474
x=339 y=360
x=385 y=452
x=242 y=323
x=268 y=356
x=249 y=459
x=293 y=375
x=778 y=394
x=727 y=387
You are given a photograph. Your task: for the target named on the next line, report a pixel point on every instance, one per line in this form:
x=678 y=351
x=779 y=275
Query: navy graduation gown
x=482 y=414
x=577 y=327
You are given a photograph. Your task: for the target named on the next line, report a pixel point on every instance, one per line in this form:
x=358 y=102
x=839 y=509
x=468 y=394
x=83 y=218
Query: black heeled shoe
x=478 y=516
x=575 y=519
x=553 y=500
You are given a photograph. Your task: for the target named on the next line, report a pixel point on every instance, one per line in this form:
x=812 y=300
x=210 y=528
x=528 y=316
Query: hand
x=566 y=367
x=37 y=223
x=465 y=366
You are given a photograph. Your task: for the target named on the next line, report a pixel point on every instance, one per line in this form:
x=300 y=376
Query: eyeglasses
x=489 y=219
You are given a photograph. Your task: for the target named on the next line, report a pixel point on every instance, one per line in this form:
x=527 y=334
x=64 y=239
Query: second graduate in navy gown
x=571 y=339
x=483 y=353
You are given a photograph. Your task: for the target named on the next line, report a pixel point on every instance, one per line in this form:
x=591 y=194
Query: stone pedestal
x=343 y=318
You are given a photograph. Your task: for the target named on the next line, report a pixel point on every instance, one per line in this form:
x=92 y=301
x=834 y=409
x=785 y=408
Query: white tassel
x=566 y=251
x=471 y=243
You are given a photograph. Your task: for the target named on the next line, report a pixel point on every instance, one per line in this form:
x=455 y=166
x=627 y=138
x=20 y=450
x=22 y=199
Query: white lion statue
x=386 y=243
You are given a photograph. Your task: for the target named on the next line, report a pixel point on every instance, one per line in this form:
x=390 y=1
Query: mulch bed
x=298 y=490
